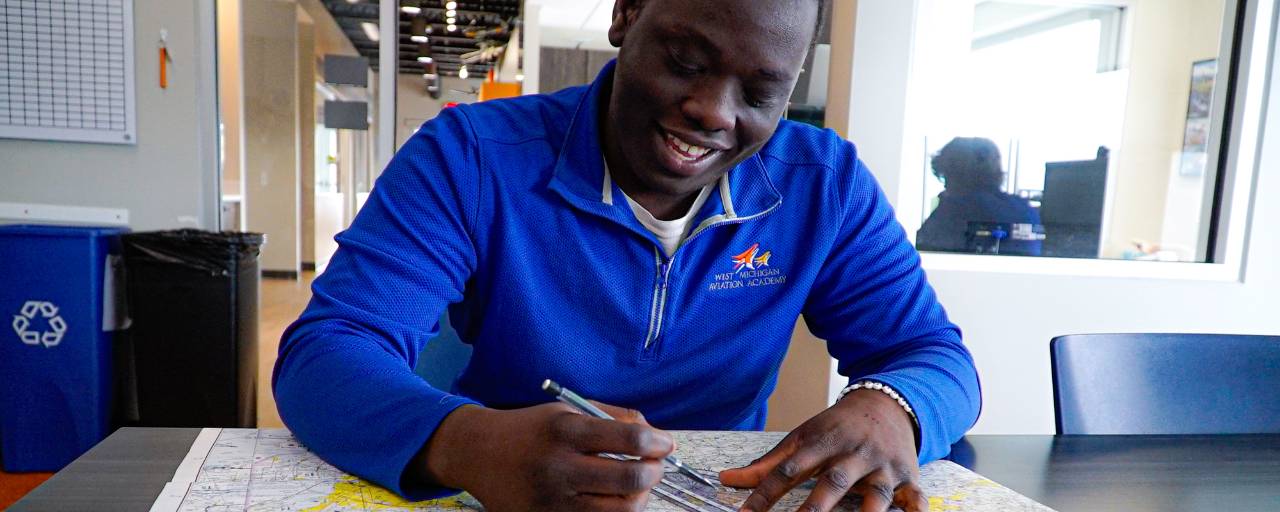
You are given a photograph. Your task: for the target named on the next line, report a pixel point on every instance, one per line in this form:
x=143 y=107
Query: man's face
x=701 y=84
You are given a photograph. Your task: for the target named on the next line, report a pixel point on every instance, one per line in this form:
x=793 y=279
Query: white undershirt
x=671 y=233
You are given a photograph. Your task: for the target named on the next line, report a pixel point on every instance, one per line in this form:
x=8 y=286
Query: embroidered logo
x=749 y=261
x=750 y=268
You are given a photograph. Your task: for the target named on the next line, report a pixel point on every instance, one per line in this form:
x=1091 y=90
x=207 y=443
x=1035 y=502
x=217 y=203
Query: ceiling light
x=410 y=9
x=425 y=59
x=370 y=30
x=452 y=28
x=462 y=73
x=451 y=13
x=451 y=5
x=451 y=20
x=419 y=39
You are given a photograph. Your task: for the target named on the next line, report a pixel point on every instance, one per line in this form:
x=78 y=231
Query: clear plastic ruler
x=688 y=493
x=694 y=496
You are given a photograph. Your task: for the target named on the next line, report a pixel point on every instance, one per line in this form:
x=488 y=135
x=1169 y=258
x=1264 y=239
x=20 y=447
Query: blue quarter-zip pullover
x=501 y=212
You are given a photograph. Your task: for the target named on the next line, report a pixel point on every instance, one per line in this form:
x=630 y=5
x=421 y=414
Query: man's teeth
x=687 y=151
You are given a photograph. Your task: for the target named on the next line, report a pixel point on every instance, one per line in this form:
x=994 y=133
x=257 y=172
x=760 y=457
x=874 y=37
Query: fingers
x=834 y=483
x=597 y=475
x=877 y=491
x=784 y=475
x=592 y=435
x=752 y=474
x=634 y=503
x=910 y=498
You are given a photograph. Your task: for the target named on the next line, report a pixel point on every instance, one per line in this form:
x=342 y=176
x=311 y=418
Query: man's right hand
x=546 y=458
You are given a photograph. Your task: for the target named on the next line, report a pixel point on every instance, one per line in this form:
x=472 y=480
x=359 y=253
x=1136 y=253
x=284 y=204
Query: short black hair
x=969 y=163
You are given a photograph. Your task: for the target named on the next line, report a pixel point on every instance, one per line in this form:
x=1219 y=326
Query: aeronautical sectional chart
x=268 y=470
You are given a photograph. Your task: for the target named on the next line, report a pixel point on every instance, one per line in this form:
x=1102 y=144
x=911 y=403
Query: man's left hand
x=864 y=444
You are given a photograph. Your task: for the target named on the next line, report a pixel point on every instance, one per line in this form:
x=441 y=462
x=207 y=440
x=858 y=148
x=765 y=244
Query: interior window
x=1073 y=130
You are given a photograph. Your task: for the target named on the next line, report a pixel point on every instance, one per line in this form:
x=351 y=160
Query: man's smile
x=685 y=154
x=686 y=151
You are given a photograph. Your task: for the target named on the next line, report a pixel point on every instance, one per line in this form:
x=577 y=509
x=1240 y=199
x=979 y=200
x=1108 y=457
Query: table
x=1132 y=473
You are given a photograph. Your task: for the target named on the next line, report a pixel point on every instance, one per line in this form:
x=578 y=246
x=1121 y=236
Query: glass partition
x=1071 y=129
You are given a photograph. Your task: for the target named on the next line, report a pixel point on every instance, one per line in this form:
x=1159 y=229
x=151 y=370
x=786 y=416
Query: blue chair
x=443 y=359
x=1166 y=384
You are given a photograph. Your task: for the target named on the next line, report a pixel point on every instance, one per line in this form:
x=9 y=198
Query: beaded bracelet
x=883 y=388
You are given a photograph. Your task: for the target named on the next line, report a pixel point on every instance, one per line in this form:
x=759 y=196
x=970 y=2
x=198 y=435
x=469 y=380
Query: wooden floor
x=17 y=485
x=282 y=302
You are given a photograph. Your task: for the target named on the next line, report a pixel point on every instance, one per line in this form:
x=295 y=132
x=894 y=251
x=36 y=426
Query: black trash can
x=193 y=299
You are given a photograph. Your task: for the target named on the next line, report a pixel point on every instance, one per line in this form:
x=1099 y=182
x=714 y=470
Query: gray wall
x=306 y=135
x=272 y=196
x=414 y=105
x=166 y=180
x=566 y=67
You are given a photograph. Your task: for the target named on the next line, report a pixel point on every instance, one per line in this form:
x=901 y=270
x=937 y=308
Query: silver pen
x=569 y=397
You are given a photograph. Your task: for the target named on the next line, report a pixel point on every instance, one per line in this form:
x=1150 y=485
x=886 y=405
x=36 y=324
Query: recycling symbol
x=48 y=311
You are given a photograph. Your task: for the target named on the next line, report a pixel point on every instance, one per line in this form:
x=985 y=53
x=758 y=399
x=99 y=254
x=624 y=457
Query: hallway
x=282 y=301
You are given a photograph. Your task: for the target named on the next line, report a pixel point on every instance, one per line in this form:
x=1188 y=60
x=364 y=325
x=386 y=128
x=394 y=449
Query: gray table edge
x=125 y=472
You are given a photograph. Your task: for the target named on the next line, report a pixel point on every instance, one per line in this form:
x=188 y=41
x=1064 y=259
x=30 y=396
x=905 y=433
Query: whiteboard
x=66 y=70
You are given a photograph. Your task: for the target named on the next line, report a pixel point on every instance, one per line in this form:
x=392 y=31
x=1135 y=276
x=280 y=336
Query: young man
x=647 y=241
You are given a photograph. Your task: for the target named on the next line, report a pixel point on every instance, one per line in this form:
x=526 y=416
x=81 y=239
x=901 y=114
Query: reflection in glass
x=973 y=214
x=1116 y=106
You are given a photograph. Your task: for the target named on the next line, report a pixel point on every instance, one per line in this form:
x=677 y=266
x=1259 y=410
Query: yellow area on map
x=353 y=492
x=956 y=501
x=940 y=504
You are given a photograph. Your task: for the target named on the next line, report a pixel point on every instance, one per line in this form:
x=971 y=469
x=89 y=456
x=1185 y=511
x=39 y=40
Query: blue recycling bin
x=57 y=290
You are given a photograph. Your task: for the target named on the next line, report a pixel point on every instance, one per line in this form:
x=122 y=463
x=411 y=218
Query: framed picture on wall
x=1195 y=139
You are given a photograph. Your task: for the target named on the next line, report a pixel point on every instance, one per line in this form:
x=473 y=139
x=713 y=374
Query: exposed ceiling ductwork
x=477 y=24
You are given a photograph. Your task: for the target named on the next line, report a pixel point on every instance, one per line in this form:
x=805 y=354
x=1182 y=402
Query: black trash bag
x=213 y=252
x=193 y=341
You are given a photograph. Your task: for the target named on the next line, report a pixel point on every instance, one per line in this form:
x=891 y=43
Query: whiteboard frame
x=127 y=136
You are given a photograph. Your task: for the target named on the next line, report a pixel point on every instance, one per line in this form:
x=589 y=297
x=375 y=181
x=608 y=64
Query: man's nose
x=710 y=107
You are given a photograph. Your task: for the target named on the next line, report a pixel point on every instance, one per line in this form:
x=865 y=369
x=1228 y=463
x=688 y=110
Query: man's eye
x=684 y=69
x=759 y=101
x=681 y=65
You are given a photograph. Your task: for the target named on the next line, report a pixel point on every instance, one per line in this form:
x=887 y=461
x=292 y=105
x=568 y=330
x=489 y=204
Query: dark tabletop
x=1132 y=473
x=1095 y=473
x=126 y=471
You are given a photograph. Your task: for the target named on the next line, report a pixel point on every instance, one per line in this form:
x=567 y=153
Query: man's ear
x=625 y=14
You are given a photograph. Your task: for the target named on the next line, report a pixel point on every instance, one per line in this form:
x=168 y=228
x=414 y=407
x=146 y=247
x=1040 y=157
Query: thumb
x=752 y=474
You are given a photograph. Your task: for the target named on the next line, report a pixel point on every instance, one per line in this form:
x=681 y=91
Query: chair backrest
x=1166 y=384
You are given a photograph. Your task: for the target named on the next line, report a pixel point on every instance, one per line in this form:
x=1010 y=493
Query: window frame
x=1113 y=15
